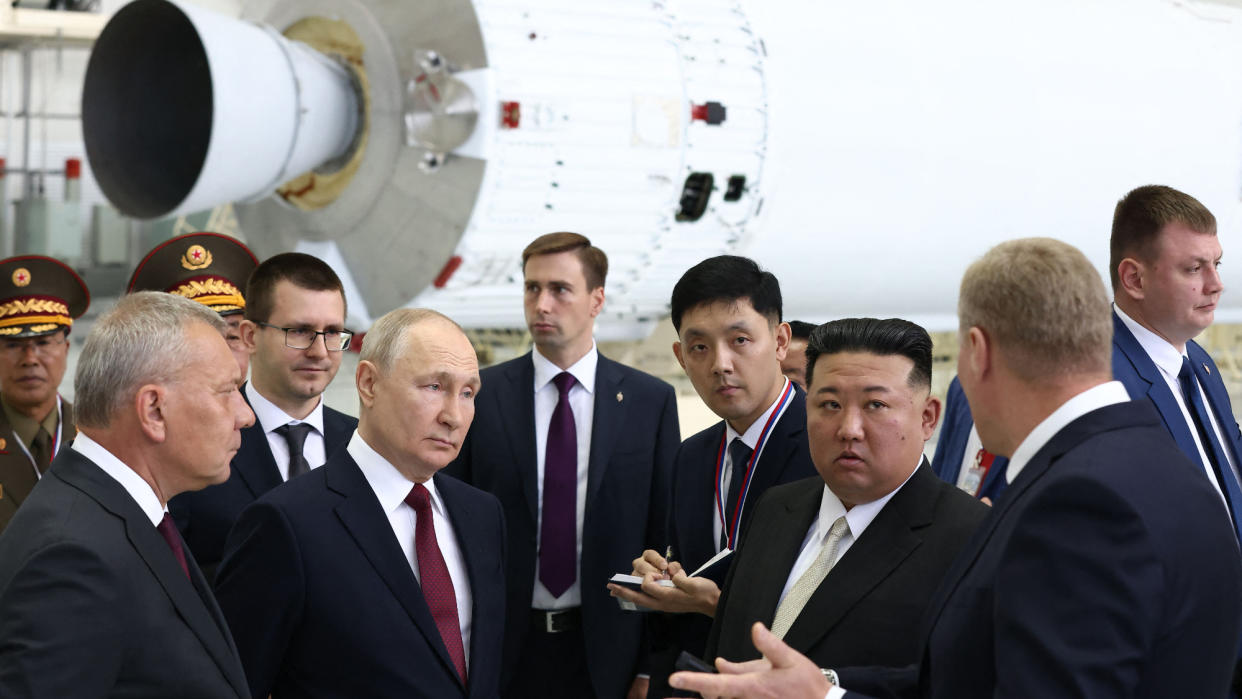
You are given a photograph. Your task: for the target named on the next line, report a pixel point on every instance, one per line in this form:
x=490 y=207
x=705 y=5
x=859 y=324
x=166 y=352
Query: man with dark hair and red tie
x=373 y=576
x=97 y=595
x=579 y=450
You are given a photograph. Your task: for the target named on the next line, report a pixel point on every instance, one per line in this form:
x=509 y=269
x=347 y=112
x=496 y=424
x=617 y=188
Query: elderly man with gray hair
x=374 y=576
x=97 y=595
x=1099 y=572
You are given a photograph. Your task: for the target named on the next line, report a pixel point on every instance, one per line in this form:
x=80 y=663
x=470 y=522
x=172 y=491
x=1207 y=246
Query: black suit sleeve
x=61 y=622
x=1076 y=595
x=260 y=590
x=713 y=636
x=659 y=509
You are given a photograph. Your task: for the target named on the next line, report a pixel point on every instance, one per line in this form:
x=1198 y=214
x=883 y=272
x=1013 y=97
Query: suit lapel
x=362 y=516
x=1157 y=389
x=517 y=404
x=780 y=552
x=696 y=493
x=780 y=450
x=254 y=462
x=480 y=562
x=191 y=604
x=337 y=430
x=605 y=425
x=1217 y=396
x=886 y=542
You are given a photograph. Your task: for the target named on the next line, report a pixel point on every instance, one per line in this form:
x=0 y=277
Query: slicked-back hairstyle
x=800 y=330
x=594 y=261
x=884 y=338
x=727 y=279
x=1142 y=214
x=302 y=270
x=1043 y=305
x=142 y=340
x=389 y=338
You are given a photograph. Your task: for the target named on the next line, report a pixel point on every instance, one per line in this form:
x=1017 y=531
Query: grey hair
x=387 y=339
x=1044 y=305
x=142 y=340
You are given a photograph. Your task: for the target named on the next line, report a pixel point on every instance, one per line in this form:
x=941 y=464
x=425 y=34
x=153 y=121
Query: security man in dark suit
x=98 y=597
x=727 y=312
x=295 y=333
x=206 y=267
x=39 y=300
x=578 y=448
x=375 y=576
x=842 y=565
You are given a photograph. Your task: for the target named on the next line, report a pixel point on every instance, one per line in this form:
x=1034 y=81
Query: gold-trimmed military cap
x=206 y=267
x=39 y=296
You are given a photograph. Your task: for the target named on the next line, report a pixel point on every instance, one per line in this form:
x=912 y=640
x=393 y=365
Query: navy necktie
x=739 y=454
x=558 y=532
x=295 y=435
x=1215 y=451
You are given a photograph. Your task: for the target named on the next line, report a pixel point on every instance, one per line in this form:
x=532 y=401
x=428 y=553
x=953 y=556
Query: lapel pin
x=620 y=396
x=3 y=443
x=1205 y=368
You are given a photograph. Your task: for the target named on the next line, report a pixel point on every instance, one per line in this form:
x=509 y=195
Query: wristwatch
x=831 y=676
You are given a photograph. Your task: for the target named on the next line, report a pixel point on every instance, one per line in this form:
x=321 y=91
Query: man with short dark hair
x=97 y=595
x=39 y=300
x=841 y=565
x=374 y=576
x=727 y=313
x=794 y=363
x=295 y=332
x=578 y=448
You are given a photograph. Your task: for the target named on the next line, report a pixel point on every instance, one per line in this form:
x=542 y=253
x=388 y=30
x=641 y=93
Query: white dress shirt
x=271 y=417
x=859 y=517
x=138 y=489
x=1168 y=359
x=750 y=439
x=582 y=403
x=391 y=488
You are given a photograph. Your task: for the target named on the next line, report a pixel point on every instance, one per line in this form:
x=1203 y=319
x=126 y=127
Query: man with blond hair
x=1099 y=573
x=98 y=596
x=374 y=576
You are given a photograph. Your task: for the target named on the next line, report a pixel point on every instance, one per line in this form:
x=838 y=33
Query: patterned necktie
x=433 y=577
x=1217 y=459
x=558 y=532
x=169 y=531
x=41 y=449
x=739 y=456
x=295 y=436
x=792 y=605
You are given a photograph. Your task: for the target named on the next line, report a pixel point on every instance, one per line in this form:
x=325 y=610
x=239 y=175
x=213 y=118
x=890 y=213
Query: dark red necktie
x=169 y=531
x=558 y=532
x=433 y=577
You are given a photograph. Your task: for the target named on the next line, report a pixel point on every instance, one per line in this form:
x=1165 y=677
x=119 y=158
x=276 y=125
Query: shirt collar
x=27 y=427
x=1093 y=398
x=1163 y=354
x=270 y=417
x=390 y=486
x=138 y=489
x=583 y=370
x=751 y=438
x=859 y=517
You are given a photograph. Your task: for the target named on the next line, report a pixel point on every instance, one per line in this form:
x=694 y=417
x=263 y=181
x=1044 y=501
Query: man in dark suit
x=374 y=576
x=727 y=312
x=39 y=299
x=97 y=596
x=295 y=332
x=1099 y=573
x=578 y=448
x=960 y=457
x=842 y=565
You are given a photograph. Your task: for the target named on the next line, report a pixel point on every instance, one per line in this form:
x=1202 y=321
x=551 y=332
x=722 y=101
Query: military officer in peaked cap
x=39 y=299
x=206 y=267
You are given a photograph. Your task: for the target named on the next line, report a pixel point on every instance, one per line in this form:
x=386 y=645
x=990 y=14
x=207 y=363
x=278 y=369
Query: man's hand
x=687 y=594
x=638 y=690
x=783 y=673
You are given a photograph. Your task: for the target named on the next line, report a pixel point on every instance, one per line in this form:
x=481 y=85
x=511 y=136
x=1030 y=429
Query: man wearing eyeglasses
x=295 y=333
x=39 y=299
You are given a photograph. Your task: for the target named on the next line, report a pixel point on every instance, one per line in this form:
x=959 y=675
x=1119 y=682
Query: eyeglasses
x=43 y=346
x=303 y=338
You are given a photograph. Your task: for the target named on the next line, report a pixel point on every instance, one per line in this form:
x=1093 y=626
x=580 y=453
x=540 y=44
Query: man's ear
x=365 y=377
x=597 y=300
x=783 y=336
x=248 y=328
x=677 y=353
x=1131 y=276
x=931 y=416
x=149 y=404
